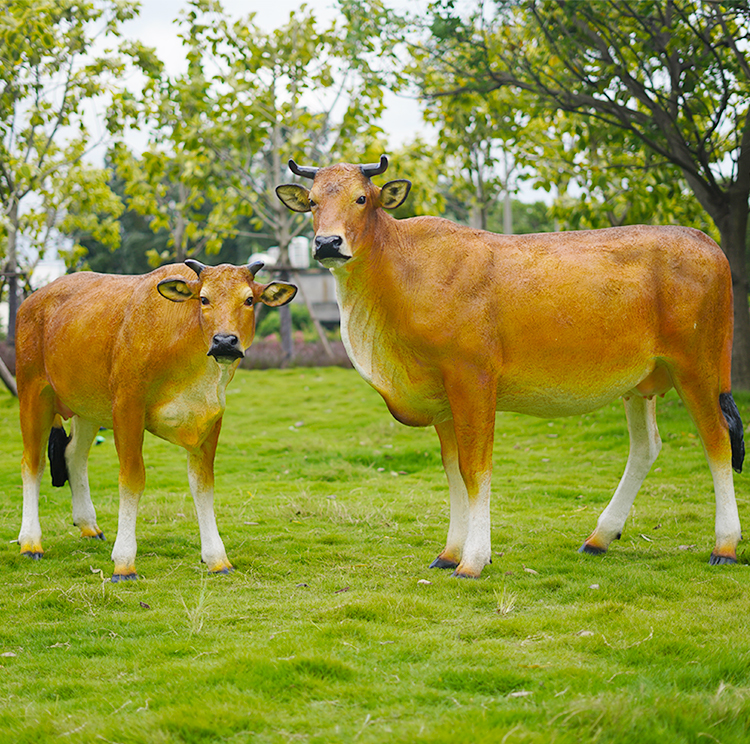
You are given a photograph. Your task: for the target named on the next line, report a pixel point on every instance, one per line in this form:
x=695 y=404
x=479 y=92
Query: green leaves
x=50 y=76
x=222 y=133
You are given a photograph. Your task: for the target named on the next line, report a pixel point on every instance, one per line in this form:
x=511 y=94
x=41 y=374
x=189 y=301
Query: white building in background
x=299 y=254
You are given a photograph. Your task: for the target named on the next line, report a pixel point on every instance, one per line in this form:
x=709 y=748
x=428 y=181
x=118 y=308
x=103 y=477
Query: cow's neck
x=366 y=299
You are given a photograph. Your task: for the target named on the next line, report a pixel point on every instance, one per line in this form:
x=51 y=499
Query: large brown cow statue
x=130 y=353
x=450 y=324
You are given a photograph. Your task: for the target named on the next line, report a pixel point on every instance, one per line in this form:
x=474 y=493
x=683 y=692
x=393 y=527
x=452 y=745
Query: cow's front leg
x=37 y=415
x=128 y=430
x=472 y=396
x=201 y=479
x=458 y=529
x=82 y=436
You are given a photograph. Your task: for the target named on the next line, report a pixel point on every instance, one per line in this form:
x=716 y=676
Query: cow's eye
x=204 y=301
x=249 y=301
x=311 y=202
x=362 y=200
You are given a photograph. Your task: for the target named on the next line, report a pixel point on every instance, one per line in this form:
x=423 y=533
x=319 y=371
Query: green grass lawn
x=333 y=629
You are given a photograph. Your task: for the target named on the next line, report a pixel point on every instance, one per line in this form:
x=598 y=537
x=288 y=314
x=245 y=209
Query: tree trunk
x=316 y=323
x=178 y=235
x=733 y=228
x=285 y=329
x=507 y=213
x=11 y=268
x=285 y=313
x=7 y=377
x=283 y=236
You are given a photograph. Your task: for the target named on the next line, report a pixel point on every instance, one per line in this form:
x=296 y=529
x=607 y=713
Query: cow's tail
x=58 y=441
x=736 y=433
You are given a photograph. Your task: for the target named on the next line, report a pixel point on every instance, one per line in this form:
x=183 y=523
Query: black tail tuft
x=734 y=422
x=58 y=441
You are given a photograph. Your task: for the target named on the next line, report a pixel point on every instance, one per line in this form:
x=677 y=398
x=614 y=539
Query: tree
x=287 y=94
x=177 y=181
x=673 y=74
x=604 y=176
x=49 y=76
x=139 y=242
x=488 y=142
x=528 y=218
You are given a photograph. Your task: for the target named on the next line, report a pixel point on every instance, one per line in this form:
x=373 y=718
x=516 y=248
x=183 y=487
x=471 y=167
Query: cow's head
x=344 y=202
x=226 y=296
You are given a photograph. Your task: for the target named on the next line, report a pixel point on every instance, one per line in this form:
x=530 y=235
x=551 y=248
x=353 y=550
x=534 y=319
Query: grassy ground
x=333 y=628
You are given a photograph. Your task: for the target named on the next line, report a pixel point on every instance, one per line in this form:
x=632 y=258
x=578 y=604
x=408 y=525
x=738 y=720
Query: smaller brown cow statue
x=130 y=353
x=451 y=324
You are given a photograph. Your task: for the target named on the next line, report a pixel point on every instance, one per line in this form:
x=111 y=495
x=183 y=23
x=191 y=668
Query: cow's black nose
x=328 y=247
x=225 y=339
x=225 y=346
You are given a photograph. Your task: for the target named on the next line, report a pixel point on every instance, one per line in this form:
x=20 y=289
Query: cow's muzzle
x=329 y=248
x=225 y=348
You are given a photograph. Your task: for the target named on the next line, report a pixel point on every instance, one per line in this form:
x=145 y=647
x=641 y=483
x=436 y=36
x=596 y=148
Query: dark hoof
x=86 y=533
x=456 y=574
x=117 y=578
x=438 y=562
x=221 y=572
x=721 y=560
x=589 y=549
x=33 y=555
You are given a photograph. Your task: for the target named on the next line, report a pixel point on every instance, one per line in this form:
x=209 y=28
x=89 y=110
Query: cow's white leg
x=645 y=445
x=712 y=422
x=472 y=394
x=30 y=536
x=728 y=531
x=36 y=416
x=458 y=529
x=128 y=428
x=478 y=546
x=82 y=436
x=125 y=547
x=201 y=479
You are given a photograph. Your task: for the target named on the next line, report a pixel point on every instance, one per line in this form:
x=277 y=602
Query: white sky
x=155 y=25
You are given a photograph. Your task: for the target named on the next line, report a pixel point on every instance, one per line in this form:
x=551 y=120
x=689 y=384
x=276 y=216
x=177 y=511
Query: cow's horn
x=255 y=267
x=309 y=172
x=196 y=265
x=370 y=170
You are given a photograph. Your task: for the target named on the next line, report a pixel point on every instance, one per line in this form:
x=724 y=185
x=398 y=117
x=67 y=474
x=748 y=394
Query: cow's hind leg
x=720 y=429
x=37 y=414
x=201 y=479
x=645 y=444
x=83 y=433
x=450 y=557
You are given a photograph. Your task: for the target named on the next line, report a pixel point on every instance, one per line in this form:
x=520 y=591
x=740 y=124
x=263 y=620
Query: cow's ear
x=176 y=289
x=295 y=197
x=278 y=293
x=394 y=193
